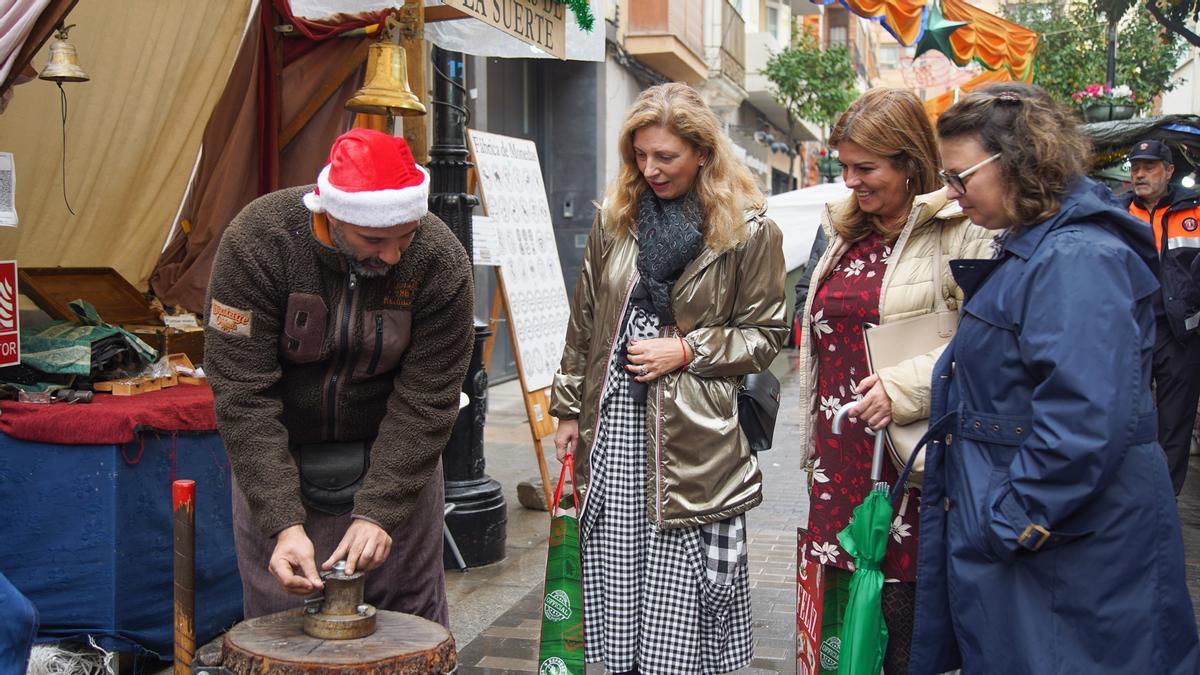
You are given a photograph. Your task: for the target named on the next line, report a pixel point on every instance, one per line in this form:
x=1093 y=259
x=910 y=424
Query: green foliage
x=1072 y=52
x=812 y=84
x=583 y=13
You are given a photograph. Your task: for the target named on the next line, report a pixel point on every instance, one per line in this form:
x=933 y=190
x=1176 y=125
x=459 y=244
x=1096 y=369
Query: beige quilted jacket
x=907 y=291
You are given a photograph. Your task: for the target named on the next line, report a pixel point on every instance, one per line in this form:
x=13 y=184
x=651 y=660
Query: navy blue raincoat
x=1050 y=540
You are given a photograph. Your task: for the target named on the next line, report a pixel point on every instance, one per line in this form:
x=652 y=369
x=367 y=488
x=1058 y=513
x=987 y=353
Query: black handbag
x=758 y=406
x=331 y=473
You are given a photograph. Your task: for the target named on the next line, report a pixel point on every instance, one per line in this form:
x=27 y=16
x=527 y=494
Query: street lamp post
x=479 y=517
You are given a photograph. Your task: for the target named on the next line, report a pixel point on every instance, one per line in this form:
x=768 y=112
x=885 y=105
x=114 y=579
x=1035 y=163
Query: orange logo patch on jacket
x=229 y=320
x=400 y=295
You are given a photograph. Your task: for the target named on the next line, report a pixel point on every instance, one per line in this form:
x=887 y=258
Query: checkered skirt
x=663 y=601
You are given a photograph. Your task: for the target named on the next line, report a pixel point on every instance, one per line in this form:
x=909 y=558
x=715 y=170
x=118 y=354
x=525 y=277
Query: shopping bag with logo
x=822 y=596
x=561 y=650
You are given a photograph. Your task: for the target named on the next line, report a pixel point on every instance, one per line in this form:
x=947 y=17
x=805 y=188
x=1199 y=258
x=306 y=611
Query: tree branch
x=1172 y=24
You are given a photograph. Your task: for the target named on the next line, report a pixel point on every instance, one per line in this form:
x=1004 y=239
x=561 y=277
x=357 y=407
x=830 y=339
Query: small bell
x=63 y=65
x=385 y=90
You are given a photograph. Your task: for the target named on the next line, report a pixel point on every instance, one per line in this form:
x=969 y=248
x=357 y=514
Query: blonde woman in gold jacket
x=878 y=268
x=681 y=293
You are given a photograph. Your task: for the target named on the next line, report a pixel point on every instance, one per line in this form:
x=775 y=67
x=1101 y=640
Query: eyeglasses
x=958 y=181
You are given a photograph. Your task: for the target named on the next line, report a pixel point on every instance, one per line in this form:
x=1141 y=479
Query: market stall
x=192 y=111
x=88 y=535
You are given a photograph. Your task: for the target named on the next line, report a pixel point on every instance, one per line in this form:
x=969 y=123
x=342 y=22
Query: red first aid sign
x=10 y=340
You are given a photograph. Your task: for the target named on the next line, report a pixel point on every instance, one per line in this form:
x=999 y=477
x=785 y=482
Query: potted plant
x=1102 y=103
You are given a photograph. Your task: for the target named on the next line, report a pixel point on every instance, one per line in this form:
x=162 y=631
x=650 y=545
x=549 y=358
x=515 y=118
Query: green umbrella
x=864 y=634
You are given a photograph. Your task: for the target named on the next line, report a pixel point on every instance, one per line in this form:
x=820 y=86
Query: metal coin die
x=341 y=614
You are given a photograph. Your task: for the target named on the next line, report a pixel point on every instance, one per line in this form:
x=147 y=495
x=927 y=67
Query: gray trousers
x=410 y=581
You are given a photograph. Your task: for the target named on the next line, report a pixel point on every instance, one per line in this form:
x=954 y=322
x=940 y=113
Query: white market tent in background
x=798 y=215
x=471 y=36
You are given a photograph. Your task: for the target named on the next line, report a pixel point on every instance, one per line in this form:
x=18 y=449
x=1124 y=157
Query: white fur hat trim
x=376 y=208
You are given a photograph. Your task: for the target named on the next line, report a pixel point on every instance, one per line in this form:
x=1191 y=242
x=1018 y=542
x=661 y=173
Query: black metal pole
x=479 y=519
x=1110 y=75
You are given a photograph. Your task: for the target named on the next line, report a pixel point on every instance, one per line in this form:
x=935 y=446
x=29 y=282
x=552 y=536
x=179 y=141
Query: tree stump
x=401 y=643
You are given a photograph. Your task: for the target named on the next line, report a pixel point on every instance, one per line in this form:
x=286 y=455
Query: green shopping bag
x=561 y=650
x=833 y=618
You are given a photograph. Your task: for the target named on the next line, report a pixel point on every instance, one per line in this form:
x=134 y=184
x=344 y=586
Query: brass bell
x=385 y=90
x=63 y=65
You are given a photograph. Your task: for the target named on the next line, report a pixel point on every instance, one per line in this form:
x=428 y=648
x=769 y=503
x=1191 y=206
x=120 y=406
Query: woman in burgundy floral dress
x=877 y=269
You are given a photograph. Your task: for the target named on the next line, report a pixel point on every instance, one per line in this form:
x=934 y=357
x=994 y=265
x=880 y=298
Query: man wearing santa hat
x=337 y=339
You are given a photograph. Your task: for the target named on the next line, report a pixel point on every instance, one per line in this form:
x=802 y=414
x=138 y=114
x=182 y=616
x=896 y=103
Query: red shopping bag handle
x=568 y=467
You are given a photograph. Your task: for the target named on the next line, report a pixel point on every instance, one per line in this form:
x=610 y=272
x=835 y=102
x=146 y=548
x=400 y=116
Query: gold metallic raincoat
x=730 y=308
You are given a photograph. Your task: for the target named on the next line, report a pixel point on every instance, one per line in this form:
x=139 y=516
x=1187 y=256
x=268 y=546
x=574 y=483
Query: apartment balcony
x=725 y=55
x=759 y=49
x=668 y=36
x=726 y=40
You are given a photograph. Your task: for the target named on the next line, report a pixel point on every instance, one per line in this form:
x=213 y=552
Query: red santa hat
x=371 y=180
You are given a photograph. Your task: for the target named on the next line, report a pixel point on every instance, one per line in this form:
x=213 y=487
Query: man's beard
x=369 y=268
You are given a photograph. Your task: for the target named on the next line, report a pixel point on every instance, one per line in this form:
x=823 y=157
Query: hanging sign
x=8 y=190
x=541 y=23
x=10 y=337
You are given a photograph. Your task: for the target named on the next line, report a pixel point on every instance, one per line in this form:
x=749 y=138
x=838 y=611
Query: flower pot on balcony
x=1106 y=112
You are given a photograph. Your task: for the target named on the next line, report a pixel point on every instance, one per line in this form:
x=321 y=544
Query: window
x=889 y=56
x=838 y=36
x=773 y=20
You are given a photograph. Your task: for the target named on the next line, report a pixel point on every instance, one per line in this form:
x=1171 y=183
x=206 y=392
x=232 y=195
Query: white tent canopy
x=471 y=35
x=798 y=214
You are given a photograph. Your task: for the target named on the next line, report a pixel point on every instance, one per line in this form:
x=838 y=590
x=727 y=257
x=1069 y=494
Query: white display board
x=510 y=178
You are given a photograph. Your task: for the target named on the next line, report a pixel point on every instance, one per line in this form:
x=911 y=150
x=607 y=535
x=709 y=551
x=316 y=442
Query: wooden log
x=276 y=643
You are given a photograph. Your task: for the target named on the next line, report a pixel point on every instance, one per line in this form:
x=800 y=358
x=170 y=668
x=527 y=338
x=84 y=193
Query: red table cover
x=111 y=419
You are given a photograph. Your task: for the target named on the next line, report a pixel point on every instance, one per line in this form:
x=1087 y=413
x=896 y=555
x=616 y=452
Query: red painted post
x=183 y=500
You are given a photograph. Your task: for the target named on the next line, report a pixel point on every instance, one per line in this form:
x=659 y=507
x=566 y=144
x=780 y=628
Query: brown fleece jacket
x=298 y=350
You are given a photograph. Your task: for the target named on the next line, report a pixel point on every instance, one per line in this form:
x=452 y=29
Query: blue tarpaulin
x=88 y=537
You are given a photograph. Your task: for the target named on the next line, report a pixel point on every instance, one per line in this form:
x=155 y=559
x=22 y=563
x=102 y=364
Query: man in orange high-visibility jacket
x=1174 y=214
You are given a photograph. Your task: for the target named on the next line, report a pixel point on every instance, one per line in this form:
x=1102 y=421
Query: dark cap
x=1156 y=150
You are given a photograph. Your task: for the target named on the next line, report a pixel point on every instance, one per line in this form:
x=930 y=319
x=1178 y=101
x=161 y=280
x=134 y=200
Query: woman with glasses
x=1056 y=546
x=876 y=269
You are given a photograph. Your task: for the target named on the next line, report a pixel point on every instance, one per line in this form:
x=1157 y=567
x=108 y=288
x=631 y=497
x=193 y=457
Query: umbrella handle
x=839 y=418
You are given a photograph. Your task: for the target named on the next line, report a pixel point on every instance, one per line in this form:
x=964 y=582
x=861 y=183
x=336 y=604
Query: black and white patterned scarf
x=669 y=238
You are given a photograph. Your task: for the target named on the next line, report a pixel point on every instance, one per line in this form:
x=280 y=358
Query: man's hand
x=365 y=546
x=294 y=551
x=875 y=408
x=566 y=439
